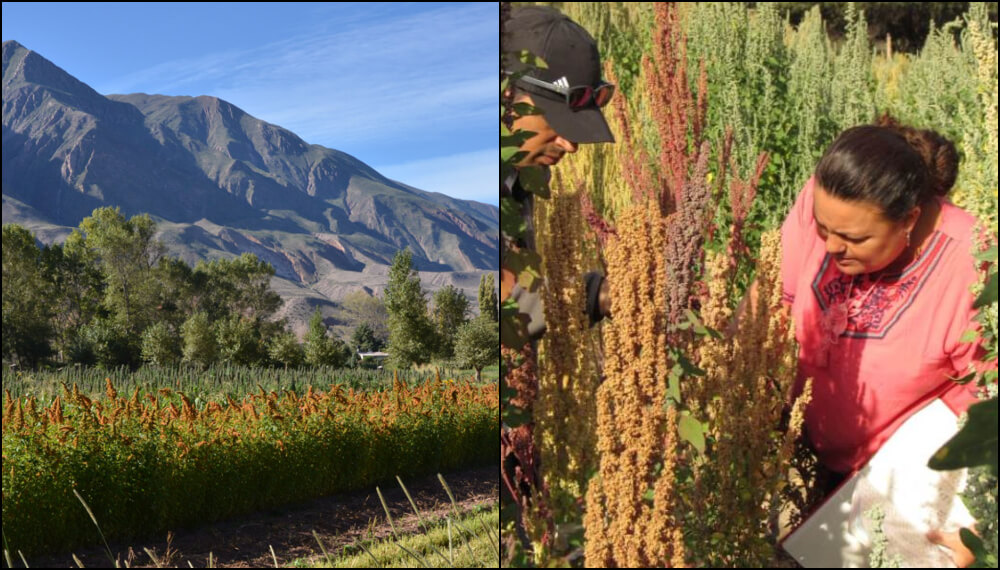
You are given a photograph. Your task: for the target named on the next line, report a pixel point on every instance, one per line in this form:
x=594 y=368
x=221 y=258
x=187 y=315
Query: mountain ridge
x=220 y=182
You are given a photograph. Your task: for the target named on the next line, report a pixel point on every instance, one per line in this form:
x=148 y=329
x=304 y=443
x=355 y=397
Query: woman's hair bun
x=938 y=153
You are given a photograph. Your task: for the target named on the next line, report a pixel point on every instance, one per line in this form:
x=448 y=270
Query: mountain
x=220 y=182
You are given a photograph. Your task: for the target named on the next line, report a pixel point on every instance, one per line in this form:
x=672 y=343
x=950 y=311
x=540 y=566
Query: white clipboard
x=913 y=498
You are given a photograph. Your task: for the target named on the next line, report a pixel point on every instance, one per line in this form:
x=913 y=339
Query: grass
x=475 y=530
x=467 y=539
x=490 y=373
x=445 y=543
x=211 y=384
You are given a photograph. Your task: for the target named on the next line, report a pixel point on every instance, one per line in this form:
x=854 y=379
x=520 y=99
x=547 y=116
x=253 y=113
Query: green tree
x=239 y=286
x=411 y=334
x=161 y=345
x=239 y=341
x=488 y=302
x=126 y=253
x=322 y=350
x=27 y=307
x=199 y=344
x=77 y=292
x=451 y=309
x=79 y=349
x=366 y=308
x=363 y=339
x=477 y=344
x=285 y=349
x=105 y=342
x=178 y=292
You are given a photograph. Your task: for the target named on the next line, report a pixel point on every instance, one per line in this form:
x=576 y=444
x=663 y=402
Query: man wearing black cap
x=570 y=93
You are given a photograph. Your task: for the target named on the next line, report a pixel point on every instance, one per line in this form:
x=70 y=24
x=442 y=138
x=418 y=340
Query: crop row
x=207 y=383
x=153 y=461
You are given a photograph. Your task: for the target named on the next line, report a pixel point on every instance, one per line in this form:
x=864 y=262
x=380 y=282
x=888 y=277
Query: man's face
x=546 y=148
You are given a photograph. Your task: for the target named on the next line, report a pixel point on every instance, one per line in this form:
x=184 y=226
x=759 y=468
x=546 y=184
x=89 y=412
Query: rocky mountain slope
x=220 y=182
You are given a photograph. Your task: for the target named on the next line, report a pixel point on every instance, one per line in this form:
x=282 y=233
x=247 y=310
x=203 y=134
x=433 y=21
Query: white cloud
x=349 y=83
x=468 y=176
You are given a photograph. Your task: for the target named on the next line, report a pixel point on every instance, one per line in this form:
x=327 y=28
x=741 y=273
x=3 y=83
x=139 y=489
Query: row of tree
x=109 y=296
x=418 y=335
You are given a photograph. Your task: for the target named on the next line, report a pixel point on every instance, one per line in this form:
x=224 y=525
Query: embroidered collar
x=888 y=297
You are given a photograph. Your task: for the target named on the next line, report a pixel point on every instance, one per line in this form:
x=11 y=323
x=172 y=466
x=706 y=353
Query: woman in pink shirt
x=877 y=267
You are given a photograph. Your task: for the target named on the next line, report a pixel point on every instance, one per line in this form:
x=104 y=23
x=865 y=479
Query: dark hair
x=891 y=165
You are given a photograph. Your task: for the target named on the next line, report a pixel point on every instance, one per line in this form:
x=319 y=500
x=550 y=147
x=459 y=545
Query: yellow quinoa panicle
x=631 y=416
x=564 y=409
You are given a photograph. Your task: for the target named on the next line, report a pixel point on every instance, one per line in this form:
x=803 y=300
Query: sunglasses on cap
x=578 y=97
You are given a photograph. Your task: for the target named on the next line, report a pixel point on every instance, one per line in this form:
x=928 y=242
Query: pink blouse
x=897 y=352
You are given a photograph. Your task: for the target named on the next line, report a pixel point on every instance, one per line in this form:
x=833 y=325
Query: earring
x=907 y=238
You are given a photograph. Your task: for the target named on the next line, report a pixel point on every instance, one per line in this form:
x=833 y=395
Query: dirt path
x=339 y=520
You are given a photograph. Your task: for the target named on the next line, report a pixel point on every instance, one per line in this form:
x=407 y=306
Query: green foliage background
x=786 y=78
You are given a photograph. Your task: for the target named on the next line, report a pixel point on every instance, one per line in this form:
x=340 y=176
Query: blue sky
x=410 y=89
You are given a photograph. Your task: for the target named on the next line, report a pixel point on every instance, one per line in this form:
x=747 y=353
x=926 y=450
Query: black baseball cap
x=572 y=59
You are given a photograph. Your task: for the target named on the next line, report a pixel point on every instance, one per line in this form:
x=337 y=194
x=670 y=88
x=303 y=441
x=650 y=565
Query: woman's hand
x=962 y=556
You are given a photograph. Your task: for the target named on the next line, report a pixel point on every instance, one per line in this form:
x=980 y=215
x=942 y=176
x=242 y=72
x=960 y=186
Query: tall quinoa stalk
x=564 y=410
x=635 y=430
x=750 y=451
x=631 y=517
x=682 y=448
